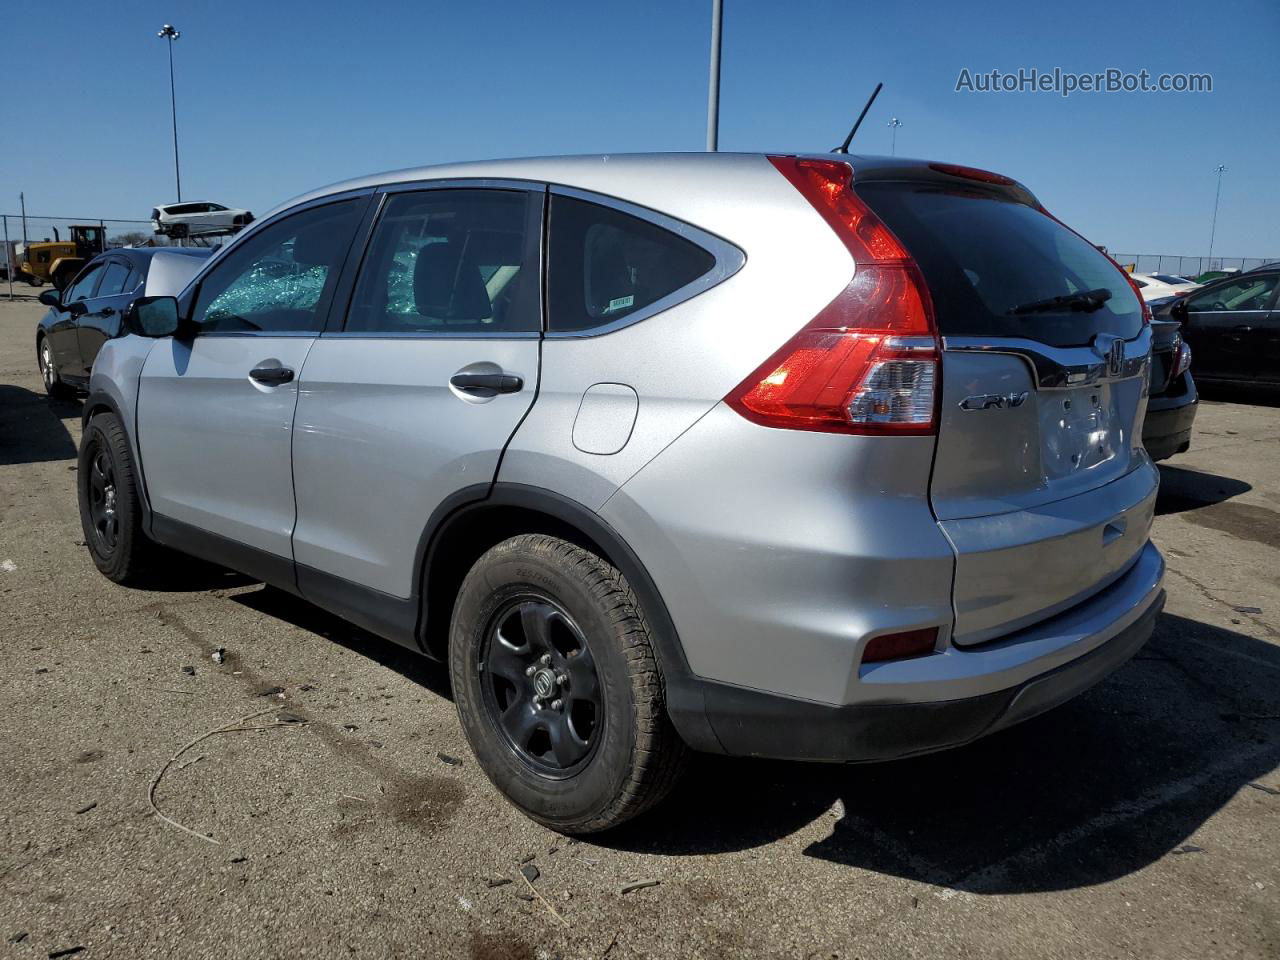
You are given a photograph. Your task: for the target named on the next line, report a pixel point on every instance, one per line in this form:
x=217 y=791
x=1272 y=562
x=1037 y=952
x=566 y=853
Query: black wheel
x=53 y=384
x=558 y=688
x=110 y=512
x=34 y=280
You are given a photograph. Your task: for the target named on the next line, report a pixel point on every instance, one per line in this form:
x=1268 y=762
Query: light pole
x=169 y=33
x=893 y=125
x=713 y=82
x=1221 y=169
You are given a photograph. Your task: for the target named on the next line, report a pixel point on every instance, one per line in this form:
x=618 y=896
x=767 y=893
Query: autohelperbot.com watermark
x=1065 y=82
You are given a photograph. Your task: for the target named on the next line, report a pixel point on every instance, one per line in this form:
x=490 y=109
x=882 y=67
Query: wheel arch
x=99 y=402
x=473 y=521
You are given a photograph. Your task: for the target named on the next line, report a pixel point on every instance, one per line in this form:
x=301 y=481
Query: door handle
x=487 y=384
x=272 y=376
x=1238 y=332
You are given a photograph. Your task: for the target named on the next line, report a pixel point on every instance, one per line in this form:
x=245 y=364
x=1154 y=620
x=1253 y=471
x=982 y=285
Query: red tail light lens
x=868 y=362
x=899 y=646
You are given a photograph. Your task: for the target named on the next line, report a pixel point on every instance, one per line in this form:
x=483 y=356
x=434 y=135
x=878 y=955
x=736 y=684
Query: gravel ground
x=1142 y=819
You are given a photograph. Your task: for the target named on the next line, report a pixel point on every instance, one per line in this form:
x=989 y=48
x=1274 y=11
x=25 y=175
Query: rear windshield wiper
x=1084 y=300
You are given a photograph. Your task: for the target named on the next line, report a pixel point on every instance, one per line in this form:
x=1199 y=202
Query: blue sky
x=279 y=97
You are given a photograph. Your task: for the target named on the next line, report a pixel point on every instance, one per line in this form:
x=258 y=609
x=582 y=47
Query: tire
x=34 y=280
x=53 y=384
x=110 y=508
x=588 y=756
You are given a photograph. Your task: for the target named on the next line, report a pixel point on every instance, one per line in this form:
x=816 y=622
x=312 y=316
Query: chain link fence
x=1189 y=267
x=22 y=240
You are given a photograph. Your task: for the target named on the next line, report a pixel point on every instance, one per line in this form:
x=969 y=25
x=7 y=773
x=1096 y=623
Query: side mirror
x=76 y=308
x=1179 y=310
x=152 y=317
x=50 y=298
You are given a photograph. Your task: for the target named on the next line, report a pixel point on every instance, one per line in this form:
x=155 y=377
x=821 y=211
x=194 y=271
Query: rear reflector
x=868 y=362
x=899 y=646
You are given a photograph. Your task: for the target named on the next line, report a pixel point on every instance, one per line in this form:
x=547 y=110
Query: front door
x=414 y=399
x=63 y=339
x=1225 y=326
x=215 y=409
x=102 y=321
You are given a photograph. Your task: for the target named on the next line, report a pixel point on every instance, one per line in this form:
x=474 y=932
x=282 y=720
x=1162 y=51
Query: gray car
x=812 y=457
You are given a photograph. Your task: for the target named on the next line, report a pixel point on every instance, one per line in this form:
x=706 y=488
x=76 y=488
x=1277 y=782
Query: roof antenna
x=844 y=147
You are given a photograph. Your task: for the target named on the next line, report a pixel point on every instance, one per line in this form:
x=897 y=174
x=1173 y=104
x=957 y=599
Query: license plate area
x=1080 y=430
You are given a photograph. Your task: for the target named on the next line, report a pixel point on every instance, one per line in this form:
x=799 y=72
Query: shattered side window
x=280 y=278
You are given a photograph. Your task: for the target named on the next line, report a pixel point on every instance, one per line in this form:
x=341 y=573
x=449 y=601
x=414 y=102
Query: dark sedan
x=87 y=312
x=1233 y=327
x=1171 y=407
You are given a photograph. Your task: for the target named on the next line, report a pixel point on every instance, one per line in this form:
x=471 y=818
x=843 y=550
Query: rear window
x=1169 y=278
x=983 y=256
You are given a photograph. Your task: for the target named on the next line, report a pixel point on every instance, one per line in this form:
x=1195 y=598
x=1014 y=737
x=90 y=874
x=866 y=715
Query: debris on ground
x=1188 y=848
x=219 y=655
x=69 y=951
x=18 y=937
x=638 y=885
x=87 y=807
x=492 y=882
x=286 y=716
x=530 y=872
x=350 y=727
x=189 y=671
x=1268 y=790
x=451 y=761
x=271 y=692
x=1247 y=609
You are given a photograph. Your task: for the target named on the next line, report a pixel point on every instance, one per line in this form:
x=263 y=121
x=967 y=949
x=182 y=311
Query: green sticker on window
x=621 y=303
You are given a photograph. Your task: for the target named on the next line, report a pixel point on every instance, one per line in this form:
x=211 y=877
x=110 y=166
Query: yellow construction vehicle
x=58 y=261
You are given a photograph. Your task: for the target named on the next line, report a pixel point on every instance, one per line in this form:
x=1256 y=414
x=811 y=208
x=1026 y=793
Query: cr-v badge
x=988 y=401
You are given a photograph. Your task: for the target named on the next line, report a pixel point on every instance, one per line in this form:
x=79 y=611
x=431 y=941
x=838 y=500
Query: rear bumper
x=1167 y=428
x=992 y=686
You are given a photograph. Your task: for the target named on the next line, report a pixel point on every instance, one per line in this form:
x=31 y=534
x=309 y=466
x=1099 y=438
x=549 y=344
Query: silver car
x=813 y=457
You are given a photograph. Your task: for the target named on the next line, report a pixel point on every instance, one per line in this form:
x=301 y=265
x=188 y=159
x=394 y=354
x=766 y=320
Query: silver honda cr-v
x=818 y=457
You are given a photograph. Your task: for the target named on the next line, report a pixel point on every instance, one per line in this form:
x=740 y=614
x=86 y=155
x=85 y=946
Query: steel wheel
x=540 y=686
x=102 y=500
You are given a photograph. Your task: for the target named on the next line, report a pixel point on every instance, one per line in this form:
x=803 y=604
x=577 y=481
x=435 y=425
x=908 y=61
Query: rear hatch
x=1039 y=481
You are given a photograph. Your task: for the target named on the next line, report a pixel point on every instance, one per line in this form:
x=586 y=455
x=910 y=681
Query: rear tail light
x=868 y=362
x=899 y=646
x=1183 y=362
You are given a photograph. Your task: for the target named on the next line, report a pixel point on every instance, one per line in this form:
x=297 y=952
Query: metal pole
x=170 y=34
x=8 y=256
x=713 y=85
x=22 y=199
x=1213 y=230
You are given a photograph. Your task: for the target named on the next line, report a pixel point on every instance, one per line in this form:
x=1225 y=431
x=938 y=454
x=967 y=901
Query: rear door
x=1040 y=480
x=1226 y=326
x=215 y=410
x=412 y=401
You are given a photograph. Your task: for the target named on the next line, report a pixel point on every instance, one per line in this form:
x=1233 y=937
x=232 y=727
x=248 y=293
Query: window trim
x=729 y=259
x=347 y=291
